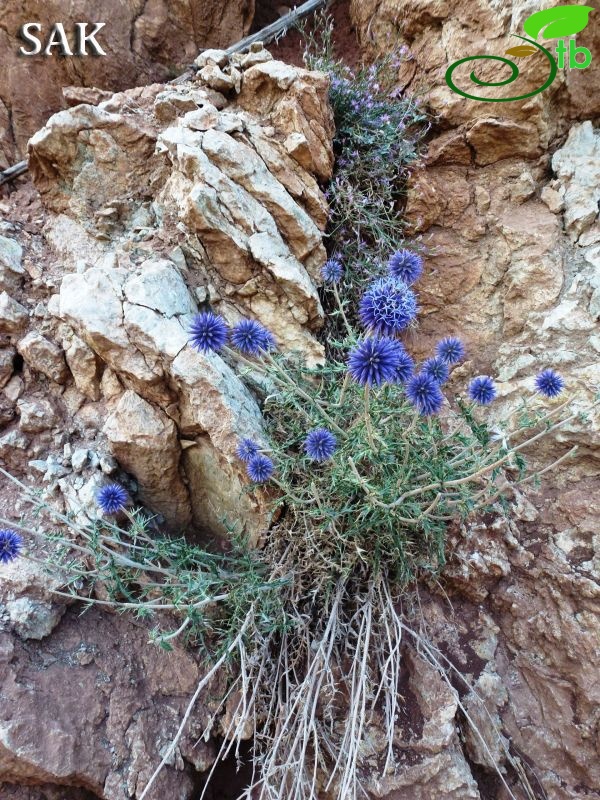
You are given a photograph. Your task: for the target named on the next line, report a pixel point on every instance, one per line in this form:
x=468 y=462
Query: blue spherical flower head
x=247 y=449
x=320 y=444
x=425 y=394
x=260 y=468
x=437 y=369
x=112 y=498
x=405 y=366
x=11 y=544
x=332 y=271
x=250 y=337
x=406 y=265
x=549 y=383
x=374 y=361
x=388 y=306
x=482 y=390
x=451 y=350
x=208 y=332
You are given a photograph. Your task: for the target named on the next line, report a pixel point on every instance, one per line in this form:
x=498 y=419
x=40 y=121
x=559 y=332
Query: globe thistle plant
x=375 y=361
x=437 y=369
x=405 y=265
x=260 y=468
x=251 y=338
x=247 y=449
x=424 y=393
x=11 y=545
x=482 y=390
x=388 y=306
x=320 y=444
x=112 y=498
x=451 y=350
x=208 y=332
x=549 y=383
x=405 y=366
x=332 y=271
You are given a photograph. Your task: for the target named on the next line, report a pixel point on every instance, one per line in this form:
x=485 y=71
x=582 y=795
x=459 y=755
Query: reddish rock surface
x=144 y=41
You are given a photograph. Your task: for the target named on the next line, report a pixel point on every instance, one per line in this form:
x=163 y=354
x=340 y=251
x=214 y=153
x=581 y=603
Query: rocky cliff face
x=506 y=204
x=144 y=40
x=161 y=198
x=155 y=202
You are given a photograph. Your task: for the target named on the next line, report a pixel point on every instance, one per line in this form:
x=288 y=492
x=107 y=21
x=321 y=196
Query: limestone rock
x=142 y=42
x=144 y=440
x=210 y=147
x=36 y=414
x=7 y=356
x=13 y=316
x=44 y=356
x=84 y=367
x=33 y=619
x=218 y=57
x=11 y=267
x=577 y=167
x=295 y=101
x=431 y=761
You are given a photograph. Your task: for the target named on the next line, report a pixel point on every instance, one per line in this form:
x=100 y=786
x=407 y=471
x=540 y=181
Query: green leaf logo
x=558 y=21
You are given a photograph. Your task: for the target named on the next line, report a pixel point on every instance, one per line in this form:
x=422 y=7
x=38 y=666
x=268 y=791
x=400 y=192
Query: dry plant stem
x=368 y=422
x=303 y=394
x=298 y=714
x=206 y=679
x=349 y=749
x=407 y=433
x=458 y=459
x=390 y=671
x=342 y=312
x=487 y=468
x=174 y=634
x=343 y=391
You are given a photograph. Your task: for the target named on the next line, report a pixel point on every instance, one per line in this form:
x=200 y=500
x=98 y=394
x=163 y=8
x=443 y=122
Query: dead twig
x=10 y=173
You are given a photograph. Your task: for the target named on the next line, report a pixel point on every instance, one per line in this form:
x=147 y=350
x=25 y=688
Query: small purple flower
x=388 y=306
x=437 y=369
x=332 y=271
x=260 y=468
x=11 y=544
x=112 y=498
x=406 y=265
x=425 y=394
x=482 y=390
x=208 y=332
x=320 y=444
x=549 y=383
x=246 y=450
x=451 y=350
x=374 y=361
x=250 y=337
